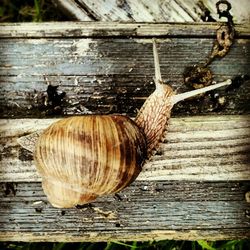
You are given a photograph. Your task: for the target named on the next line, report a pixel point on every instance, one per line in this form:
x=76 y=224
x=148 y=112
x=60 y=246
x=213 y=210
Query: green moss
x=29 y=11
x=116 y=245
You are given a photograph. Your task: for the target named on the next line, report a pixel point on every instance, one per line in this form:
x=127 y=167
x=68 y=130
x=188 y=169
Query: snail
x=83 y=157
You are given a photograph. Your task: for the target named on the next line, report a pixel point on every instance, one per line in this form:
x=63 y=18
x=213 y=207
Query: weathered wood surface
x=150 y=11
x=111 y=29
x=112 y=75
x=194 y=149
x=144 y=211
x=194 y=187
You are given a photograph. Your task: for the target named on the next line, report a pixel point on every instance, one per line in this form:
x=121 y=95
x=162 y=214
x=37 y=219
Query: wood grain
x=113 y=29
x=147 y=10
x=195 y=148
x=113 y=75
x=143 y=211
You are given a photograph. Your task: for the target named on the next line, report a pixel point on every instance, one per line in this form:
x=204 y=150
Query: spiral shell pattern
x=81 y=158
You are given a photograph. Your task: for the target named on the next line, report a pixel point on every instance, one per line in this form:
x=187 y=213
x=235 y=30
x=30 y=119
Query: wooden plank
x=195 y=149
x=144 y=211
x=113 y=75
x=111 y=29
x=151 y=11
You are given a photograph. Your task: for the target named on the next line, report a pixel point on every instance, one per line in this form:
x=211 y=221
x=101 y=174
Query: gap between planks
x=202 y=148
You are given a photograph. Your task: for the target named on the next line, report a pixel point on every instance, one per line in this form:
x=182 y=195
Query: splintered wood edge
x=114 y=29
x=198 y=148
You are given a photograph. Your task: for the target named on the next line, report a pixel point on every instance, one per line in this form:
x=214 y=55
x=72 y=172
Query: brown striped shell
x=81 y=158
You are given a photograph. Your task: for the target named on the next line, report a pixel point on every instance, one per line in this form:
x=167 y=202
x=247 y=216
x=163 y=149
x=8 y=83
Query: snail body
x=81 y=158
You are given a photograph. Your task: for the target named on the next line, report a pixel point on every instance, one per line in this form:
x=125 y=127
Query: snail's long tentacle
x=158 y=78
x=182 y=96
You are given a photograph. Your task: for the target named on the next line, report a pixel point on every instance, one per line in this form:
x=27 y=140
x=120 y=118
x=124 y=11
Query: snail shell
x=81 y=158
